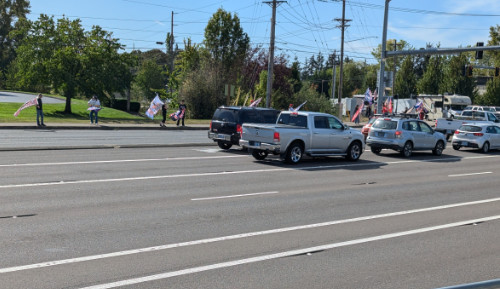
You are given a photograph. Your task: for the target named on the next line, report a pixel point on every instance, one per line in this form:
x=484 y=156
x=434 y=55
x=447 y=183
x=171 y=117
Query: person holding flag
x=39 y=111
x=357 y=112
x=94 y=107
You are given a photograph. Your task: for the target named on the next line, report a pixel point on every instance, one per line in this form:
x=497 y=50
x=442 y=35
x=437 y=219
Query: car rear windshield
x=258 y=116
x=470 y=128
x=225 y=115
x=293 y=119
x=385 y=124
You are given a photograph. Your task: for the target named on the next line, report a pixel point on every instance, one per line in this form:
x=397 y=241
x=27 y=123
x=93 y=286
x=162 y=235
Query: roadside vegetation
x=60 y=57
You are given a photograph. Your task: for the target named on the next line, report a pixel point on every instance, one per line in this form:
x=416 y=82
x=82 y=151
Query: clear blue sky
x=304 y=27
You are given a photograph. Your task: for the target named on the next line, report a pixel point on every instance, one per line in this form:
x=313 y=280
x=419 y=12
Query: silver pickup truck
x=449 y=126
x=297 y=133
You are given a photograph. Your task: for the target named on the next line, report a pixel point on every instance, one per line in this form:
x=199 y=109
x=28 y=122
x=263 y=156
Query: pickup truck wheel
x=438 y=149
x=407 y=149
x=456 y=147
x=485 y=148
x=376 y=150
x=294 y=154
x=354 y=151
x=224 y=145
x=259 y=155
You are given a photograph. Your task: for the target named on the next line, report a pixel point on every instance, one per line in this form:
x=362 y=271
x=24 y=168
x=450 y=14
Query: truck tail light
x=210 y=126
x=398 y=133
x=276 y=137
x=239 y=129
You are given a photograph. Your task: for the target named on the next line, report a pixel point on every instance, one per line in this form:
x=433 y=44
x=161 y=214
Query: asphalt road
x=28 y=139
x=198 y=217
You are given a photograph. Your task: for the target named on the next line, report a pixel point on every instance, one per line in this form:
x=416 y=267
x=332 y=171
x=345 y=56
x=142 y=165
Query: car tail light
x=478 y=134
x=239 y=129
x=398 y=133
x=457 y=131
x=276 y=137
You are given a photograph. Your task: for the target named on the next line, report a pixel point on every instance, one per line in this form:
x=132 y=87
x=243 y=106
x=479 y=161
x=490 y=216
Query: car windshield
x=385 y=124
x=470 y=128
x=293 y=119
x=224 y=115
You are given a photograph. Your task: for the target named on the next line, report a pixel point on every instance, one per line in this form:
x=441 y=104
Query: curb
x=42 y=148
x=103 y=127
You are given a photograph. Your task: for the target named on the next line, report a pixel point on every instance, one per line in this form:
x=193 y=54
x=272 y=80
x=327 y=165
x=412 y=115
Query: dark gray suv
x=225 y=127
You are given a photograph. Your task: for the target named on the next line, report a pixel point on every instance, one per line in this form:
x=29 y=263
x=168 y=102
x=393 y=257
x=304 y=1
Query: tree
x=70 y=60
x=150 y=77
x=454 y=81
x=12 y=15
x=492 y=94
x=406 y=83
x=225 y=39
x=431 y=81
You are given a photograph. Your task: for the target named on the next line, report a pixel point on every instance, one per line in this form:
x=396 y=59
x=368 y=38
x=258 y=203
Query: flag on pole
x=25 y=105
x=255 y=102
x=419 y=105
x=355 y=115
x=368 y=96
x=155 y=106
x=298 y=107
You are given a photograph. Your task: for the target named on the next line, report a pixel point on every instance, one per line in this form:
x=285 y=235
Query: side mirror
x=346 y=127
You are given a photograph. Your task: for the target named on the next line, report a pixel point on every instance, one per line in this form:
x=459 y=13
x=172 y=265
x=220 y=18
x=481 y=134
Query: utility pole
x=383 y=55
x=342 y=25
x=270 y=64
x=172 y=43
x=334 y=72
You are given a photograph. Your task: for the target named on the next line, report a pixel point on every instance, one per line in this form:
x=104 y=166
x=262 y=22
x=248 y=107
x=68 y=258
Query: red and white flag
x=25 y=105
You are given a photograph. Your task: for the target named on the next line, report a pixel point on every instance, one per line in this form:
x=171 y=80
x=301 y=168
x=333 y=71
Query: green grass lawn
x=54 y=113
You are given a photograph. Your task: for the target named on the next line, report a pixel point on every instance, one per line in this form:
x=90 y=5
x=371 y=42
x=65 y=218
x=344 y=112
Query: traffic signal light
x=497 y=71
x=469 y=70
x=479 y=54
x=464 y=68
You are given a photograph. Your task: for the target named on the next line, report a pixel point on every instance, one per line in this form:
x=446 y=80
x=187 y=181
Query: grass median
x=54 y=113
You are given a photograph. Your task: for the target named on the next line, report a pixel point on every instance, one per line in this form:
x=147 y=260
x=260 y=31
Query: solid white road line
x=227 y=173
x=121 y=161
x=234 y=196
x=239 y=236
x=470 y=174
x=285 y=254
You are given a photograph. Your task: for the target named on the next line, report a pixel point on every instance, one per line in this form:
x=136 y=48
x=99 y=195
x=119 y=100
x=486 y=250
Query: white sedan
x=482 y=136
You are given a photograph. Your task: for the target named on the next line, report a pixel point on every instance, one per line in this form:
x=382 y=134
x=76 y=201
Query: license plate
x=380 y=134
x=464 y=143
x=255 y=143
x=221 y=136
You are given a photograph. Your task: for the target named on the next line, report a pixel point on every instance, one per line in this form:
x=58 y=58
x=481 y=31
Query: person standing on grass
x=39 y=110
x=94 y=107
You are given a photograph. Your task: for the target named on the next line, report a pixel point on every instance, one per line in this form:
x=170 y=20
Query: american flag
x=25 y=105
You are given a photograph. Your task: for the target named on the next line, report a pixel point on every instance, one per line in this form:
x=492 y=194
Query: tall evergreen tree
x=405 y=83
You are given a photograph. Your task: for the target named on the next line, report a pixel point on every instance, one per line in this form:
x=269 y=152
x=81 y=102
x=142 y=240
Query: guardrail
x=490 y=284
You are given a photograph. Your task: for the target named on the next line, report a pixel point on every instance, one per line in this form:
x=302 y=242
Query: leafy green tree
x=405 y=83
x=12 y=14
x=150 y=77
x=391 y=45
x=492 y=94
x=225 y=39
x=70 y=60
x=454 y=81
x=431 y=81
